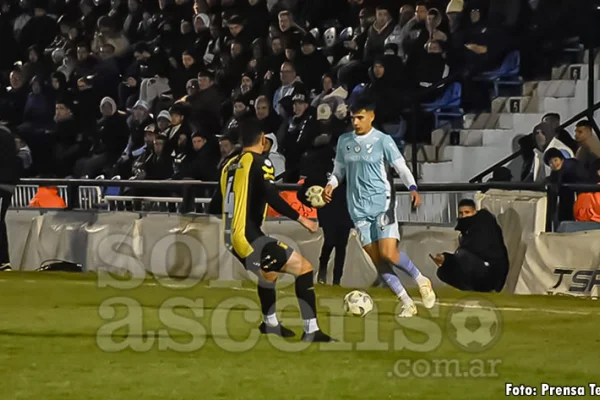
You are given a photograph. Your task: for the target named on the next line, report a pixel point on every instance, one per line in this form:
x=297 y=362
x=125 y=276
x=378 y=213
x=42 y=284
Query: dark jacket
x=482 y=236
x=10 y=169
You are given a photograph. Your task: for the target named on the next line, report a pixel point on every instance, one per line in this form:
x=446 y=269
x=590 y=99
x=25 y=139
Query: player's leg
x=329 y=239
x=265 y=289
x=293 y=263
x=341 y=244
x=388 y=248
x=368 y=234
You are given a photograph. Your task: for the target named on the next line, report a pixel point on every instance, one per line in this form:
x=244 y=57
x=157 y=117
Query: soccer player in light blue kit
x=364 y=158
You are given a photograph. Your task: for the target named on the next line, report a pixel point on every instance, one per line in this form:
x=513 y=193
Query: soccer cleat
x=317 y=336
x=427 y=294
x=5 y=267
x=408 y=310
x=278 y=330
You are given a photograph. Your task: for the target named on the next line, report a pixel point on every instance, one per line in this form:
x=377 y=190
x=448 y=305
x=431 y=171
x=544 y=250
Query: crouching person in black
x=333 y=218
x=480 y=263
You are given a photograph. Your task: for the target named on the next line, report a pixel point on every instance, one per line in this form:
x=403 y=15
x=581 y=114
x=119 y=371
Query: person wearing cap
x=179 y=113
x=109 y=139
x=163 y=121
x=137 y=122
x=301 y=132
x=312 y=63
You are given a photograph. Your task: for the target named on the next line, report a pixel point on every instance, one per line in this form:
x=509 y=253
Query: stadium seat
x=447 y=106
x=113 y=190
x=506 y=74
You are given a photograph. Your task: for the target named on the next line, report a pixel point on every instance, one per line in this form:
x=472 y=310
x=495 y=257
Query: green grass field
x=63 y=337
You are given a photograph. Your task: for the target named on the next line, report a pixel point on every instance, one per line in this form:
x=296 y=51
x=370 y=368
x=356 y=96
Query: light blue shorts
x=383 y=226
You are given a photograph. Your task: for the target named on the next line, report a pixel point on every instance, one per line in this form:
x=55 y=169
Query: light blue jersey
x=364 y=162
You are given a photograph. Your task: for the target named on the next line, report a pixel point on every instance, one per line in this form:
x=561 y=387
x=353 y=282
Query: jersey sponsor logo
x=269 y=173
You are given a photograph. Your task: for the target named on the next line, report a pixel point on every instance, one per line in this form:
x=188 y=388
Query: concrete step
x=515 y=104
x=503 y=121
x=573 y=72
x=426 y=153
x=586 y=56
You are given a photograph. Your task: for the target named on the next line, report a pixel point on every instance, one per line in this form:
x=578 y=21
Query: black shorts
x=269 y=255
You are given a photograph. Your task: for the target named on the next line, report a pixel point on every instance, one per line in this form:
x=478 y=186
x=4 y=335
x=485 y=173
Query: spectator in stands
x=312 y=63
x=24 y=154
x=288 y=78
x=564 y=171
x=206 y=104
x=534 y=146
x=108 y=142
x=179 y=113
x=266 y=116
x=204 y=159
x=301 y=132
x=589 y=144
x=70 y=144
x=229 y=148
x=278 y=159
x=480 y=263
x=10 y=170
x=553 y=119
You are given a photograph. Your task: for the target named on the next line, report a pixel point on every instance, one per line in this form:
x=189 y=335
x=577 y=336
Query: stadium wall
x=192 y=247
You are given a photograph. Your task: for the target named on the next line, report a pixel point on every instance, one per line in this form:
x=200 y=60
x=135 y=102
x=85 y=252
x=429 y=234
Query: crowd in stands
x=551 y=154
x=144 y=89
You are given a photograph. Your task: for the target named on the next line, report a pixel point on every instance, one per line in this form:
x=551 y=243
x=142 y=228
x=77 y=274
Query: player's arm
x=264 y=174
x=395 y=159
x=337 y=176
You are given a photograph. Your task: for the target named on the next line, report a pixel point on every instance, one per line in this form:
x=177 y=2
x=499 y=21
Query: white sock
x=421 y=280
x=310 y=325
x=271 y=320
x=404 y=297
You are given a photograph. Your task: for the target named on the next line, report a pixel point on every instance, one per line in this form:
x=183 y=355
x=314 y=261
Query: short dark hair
x=552 y=153
x=552 y=115
x=466 y=203
x=250 y=131
x=362 y=103
x=423 y=3
x=585 y=123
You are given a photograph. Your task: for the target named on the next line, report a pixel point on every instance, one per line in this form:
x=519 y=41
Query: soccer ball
x=358 y=303
x=314 y=195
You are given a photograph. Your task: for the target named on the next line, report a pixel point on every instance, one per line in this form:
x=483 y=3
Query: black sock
x=305 y=292
x=267 y=296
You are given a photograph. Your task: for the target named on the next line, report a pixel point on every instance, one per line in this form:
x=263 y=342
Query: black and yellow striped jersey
x=246 y=187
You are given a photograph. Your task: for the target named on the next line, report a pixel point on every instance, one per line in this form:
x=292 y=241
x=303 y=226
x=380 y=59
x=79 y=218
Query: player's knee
x=269 y=277
x=305 y=267
x=389 y=254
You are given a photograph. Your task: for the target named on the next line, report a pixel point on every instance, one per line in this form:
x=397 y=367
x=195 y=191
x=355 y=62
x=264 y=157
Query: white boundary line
x=385 y=300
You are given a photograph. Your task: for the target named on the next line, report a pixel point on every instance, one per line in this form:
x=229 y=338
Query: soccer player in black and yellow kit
x=246 y=187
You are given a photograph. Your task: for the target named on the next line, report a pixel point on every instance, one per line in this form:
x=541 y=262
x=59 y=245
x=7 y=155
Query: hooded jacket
x=276 y=158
